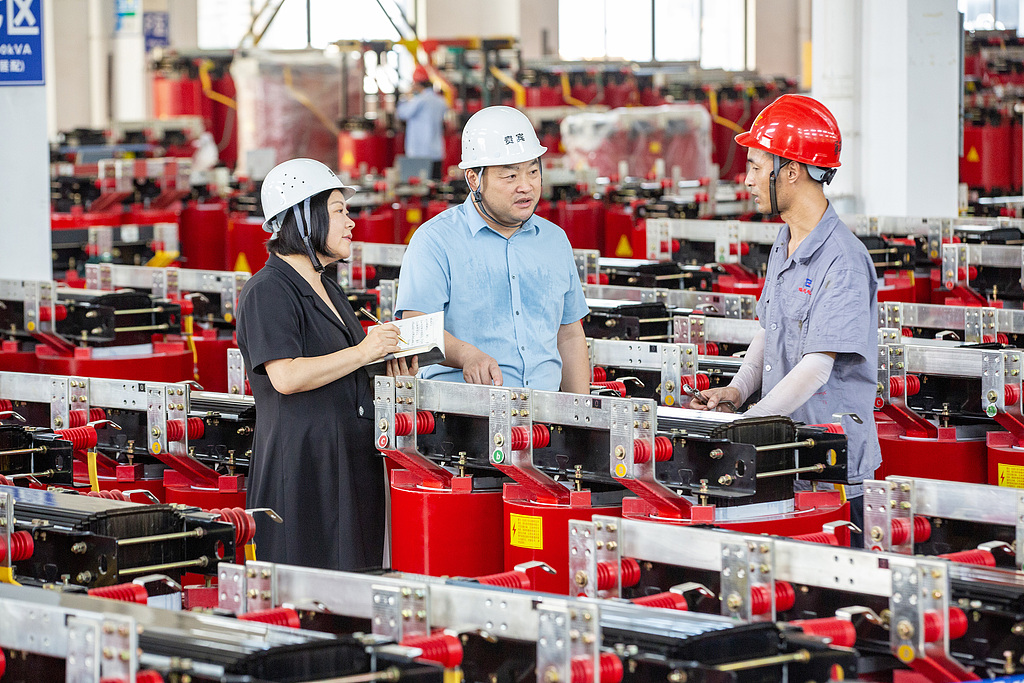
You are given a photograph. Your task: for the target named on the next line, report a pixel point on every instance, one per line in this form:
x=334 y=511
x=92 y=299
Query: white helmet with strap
x=292 y=182
x=499 y=136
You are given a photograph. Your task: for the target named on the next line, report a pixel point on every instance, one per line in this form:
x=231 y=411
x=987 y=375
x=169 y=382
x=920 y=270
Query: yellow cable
x=517 y=89
x=250 y=552
x=304 y=100
x=204 y=80
x=567 y=93
x=842 y=493
x=713 y=102
x=190 y=338
x=94 y=480
x=7 y=576
x=162 y=259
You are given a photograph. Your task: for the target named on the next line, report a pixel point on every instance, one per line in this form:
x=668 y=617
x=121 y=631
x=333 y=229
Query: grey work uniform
x=823 y=299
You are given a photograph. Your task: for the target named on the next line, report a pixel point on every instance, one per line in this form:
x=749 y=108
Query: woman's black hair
x=289 y=239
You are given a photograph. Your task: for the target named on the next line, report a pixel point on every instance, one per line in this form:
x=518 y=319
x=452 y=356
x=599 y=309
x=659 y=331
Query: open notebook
x=424 y=337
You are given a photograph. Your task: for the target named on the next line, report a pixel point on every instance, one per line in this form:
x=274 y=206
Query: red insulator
x=357 y=272
x=176 y=429
x=901 y=530
x=979 y=556
x=511 y=579
x=4 y=481
x=278 y=616
x=907 y=332
x=541 y=436
x=3 y=664
x=913 y=385
x=702 y=382
x=831 y=428
x=1011 y=394
x=424 y=423
x=22 y=546
x=895 y=386
x=598 y=374
x=662 y=448
x=6 y=405
x=611 y=669
x=1002 y=338
x=819 y=537
x=711 y=349
x=760 y=601
x=840 y=631
x=520 y=438
x=641 y=451
x=967 y=273
x=744 y=249
x=81 y=438
x=933 y=624
x=607 y=573
x=96 y=414
x=125 y=592
x=112 y=494
x=140 y=677
x=60 y=310
x=79 y=418
x=245 y=525
x=442 y=648
x=616 y=386
x=666 y=600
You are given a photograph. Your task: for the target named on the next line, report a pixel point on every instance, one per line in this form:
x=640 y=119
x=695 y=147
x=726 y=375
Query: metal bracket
x=500 y=425
x=877 y=521
x=890 y=315
x=735 y=581
x=401 y=612
x=60 y=397
x=672 y=370
x=6 y=525
x=583 y=559
x=260 y=586
x=993 y=382
x=950 y=269
x=231 y=588
x=384 y=399
x=388 y=295
x=565 y=633
x=236 y=372
x=760 y=553
x=972 y=326
x=725 y=241
x=156 y=419
x=82 y=662
x=919 y=586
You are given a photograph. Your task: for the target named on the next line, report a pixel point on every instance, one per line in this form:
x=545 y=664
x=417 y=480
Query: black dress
x=314 y=460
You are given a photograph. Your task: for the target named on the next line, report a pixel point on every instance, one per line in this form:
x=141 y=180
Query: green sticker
x=498 y=456
x=991 y=410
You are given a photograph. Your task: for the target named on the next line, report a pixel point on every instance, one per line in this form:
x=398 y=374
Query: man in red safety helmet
x=816 y=354
x=423 y=111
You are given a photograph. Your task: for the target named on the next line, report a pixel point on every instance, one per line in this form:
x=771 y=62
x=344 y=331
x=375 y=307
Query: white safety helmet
x=499 y=136
x=292 y=182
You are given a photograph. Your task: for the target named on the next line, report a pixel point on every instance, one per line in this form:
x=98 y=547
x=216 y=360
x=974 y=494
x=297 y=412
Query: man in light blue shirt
x=505 y=278
x=424 y=114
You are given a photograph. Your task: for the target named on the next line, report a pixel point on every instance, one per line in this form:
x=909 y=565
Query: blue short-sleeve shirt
x=507 y=297
x=823 y=299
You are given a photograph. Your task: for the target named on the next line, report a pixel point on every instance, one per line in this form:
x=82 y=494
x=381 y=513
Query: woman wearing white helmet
x=313 y=458
x=505 y=278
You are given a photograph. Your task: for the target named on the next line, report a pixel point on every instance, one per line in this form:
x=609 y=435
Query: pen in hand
x=372 y=317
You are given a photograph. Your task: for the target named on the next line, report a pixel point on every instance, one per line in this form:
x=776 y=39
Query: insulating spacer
x=512 y=579
x=901 y=530
x=124 y=592
x=278 y=616
x=841 y=632
x=666 y=600
x=608 y=573
x=933 y=624
x=442 y=648
x=978 y=556
x=611 y=669
x=760 y=600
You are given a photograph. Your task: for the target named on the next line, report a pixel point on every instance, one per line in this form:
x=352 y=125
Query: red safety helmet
x=419 y=74
x=796 y=127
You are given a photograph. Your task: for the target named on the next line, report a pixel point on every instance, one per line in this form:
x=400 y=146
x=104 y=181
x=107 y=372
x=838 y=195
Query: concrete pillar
x=25 y=175
x=890 y=72
x=129 y=49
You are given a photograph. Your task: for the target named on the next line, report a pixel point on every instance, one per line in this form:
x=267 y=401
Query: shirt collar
x=477 y=223
x=822 y=231
x=277 y=263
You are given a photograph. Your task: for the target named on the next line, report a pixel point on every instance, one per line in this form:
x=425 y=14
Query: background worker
x=423 y=112
x=816 y=354
x=505 y=278
x=314 y=459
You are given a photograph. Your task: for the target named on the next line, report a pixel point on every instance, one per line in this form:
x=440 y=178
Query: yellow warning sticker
x=973 y=156
x=624 y=249
x=1011 y=475
x=527 y=531
x=242 y=263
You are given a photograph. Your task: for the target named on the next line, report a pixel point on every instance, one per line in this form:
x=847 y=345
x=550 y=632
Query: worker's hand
x=481 y=369
x=400 y=366
x=380 y=341
x=714 y=396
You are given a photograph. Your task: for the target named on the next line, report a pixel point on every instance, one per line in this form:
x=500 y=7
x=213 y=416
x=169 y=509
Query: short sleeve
x=574 y=306
x=424 y=282
x=839 y=319
x=269 y=323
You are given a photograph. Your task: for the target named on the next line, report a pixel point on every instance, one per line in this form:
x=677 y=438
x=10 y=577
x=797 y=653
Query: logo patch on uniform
x=806 y=289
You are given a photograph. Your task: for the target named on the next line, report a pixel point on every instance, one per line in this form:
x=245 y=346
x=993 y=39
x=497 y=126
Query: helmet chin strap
x=478 y=200
x=304 y=227
x=777 y=165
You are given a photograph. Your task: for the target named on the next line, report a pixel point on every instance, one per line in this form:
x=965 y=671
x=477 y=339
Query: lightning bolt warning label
x=527 y=531
x=1011 y=475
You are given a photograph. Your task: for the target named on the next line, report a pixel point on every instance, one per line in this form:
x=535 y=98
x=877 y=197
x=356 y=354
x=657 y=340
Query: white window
x=655 y=30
